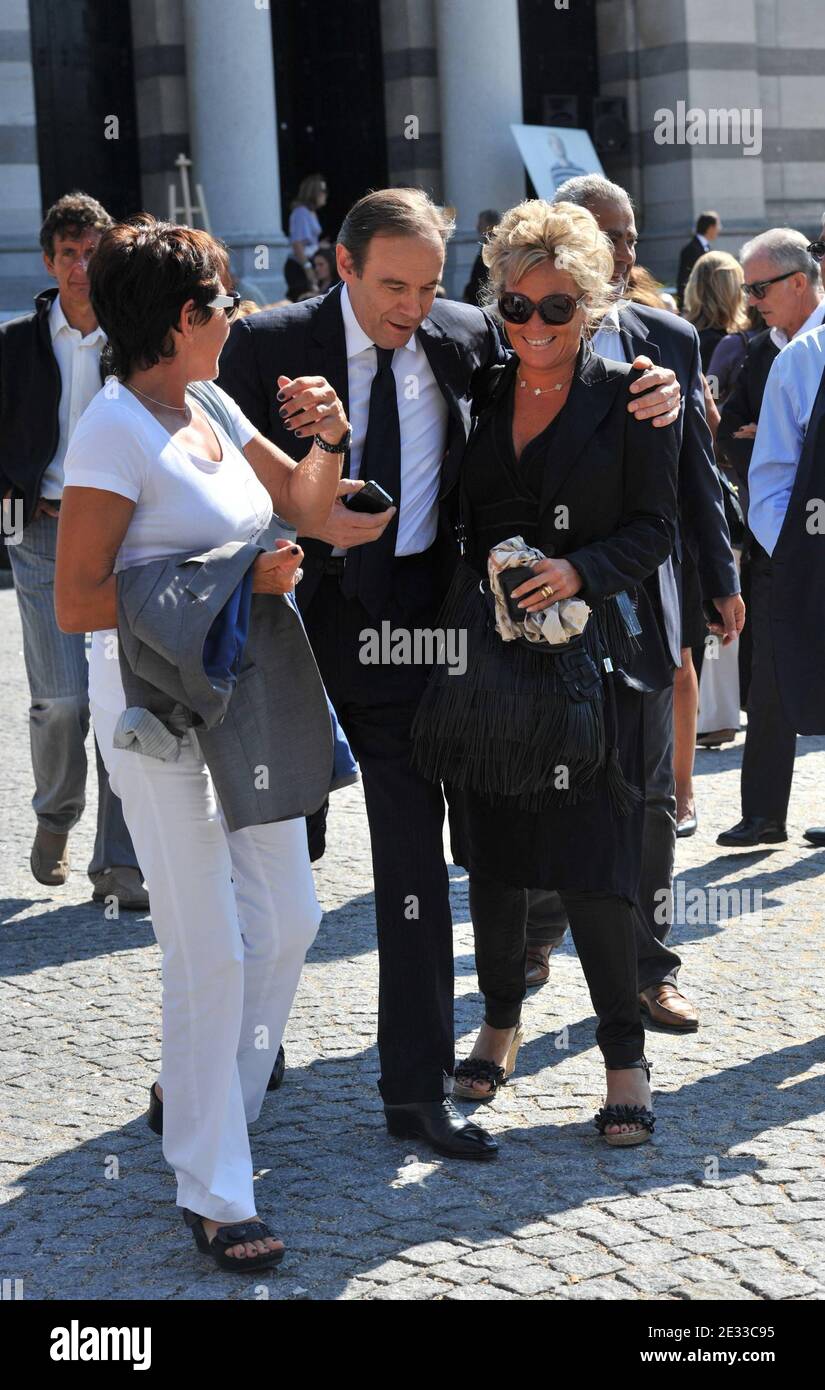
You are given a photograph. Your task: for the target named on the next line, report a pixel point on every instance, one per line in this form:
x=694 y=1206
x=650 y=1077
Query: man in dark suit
x=49 y=372
x=708 y=227
x=362 y=572
x=786 y=286
x=626 y=331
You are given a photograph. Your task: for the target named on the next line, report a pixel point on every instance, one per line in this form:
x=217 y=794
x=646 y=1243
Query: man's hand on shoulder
x=345 y=528
x=658 y=395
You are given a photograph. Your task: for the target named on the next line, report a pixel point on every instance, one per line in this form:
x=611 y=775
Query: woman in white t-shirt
x=304 y=235
x=148 y=475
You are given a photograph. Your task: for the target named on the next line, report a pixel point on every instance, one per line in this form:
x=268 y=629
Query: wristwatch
x=342 y=447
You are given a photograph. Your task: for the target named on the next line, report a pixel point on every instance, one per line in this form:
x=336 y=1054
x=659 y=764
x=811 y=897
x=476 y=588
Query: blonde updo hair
x=713 y=294
x=568 y=235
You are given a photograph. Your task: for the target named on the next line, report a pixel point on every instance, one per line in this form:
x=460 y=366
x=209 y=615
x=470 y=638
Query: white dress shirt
x=422 y=416
x=786 y=409
x=78 y=359
x=607 y=341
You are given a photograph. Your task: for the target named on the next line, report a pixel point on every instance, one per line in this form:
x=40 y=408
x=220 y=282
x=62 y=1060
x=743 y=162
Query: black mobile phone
x=369 y=498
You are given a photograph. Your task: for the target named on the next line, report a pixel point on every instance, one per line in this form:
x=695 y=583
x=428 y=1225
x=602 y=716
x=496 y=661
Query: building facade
x=691 y=104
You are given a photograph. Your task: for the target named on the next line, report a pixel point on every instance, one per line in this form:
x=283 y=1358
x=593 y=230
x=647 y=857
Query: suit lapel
x=444 y=357
x=591 y=396
x=634 y=335
x=327 y=348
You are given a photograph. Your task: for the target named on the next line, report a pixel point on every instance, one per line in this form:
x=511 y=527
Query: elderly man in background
x=782 y=280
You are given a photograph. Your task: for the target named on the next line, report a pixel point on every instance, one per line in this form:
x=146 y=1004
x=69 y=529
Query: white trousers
x=234 y=913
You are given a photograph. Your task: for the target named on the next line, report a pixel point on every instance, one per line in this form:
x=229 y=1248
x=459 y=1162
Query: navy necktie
x=368 y=568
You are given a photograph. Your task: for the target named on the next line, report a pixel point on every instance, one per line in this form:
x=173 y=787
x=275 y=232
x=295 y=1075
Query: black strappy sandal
x=627 y=1115
x=227 y=1236
x=154 y=1115
x=479 y=1069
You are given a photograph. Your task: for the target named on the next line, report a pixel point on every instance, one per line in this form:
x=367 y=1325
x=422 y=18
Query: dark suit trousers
x=770 y=742
x=376 y=704
x=547 y=920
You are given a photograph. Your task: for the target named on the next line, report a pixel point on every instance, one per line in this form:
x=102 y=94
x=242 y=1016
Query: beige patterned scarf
x=556 y=624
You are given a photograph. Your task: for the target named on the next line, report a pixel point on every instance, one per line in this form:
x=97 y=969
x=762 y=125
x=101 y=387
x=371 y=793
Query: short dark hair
x=392 y=212
x=705 y=220
x=140 y=277
x=70 y=216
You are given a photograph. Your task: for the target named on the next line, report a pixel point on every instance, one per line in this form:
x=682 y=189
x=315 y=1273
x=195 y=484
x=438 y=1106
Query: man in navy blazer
x=626 y=331
x=363 y=572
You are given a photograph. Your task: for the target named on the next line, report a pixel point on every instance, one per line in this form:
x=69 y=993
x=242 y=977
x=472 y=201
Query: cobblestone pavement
x=727 y=1202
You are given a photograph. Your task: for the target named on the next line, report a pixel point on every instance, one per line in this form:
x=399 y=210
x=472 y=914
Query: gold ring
x=547 y=591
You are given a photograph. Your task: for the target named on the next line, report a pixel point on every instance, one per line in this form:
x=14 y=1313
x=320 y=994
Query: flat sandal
x=242 y=1233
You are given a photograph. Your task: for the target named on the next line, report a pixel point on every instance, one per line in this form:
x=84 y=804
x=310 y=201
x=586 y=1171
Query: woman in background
x=304 y=235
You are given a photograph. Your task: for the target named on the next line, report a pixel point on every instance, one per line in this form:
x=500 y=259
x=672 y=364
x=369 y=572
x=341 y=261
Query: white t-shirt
x=182 y=502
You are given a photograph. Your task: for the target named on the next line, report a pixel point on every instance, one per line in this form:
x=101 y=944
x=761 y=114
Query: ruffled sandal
x=627 y=1115
x=227 y=1236
x=479 y=1069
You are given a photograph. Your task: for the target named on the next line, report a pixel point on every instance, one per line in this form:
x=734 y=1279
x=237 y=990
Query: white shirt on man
x=78 y=359
x=607 y=340
x=422 y=417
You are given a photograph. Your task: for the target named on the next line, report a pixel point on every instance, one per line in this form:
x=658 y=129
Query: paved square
x=727 y=1202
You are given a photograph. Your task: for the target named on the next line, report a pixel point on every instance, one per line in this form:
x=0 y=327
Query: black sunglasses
x=816 y=249
x=757 y=289
x=231 y=302
x=553 y=308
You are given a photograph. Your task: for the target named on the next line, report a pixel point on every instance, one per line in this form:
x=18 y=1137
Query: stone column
x=479 y=72
x=160 y=96
x=682 y=57
x=21 y=267
x=233 y=130
x=411 y=94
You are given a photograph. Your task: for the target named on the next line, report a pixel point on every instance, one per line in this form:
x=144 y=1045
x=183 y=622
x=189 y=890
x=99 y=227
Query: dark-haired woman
x=150 y=475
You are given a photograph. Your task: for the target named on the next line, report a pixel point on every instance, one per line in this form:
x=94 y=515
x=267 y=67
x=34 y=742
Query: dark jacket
x=607 y=505
x=30 y=390
x=308 y=339
x=742 y=407
x=671 y=342
x=798 y=588
x=262 y=718
x=688 y=256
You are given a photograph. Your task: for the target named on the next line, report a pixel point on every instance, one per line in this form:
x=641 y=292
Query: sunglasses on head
x=230 y=302
x=816 y=249
x=757 y=289
x=553 y=308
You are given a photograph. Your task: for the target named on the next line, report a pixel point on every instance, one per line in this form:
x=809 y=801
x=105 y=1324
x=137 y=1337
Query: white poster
x=553 y=154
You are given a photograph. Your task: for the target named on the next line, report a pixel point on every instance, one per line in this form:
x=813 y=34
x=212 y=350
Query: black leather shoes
x=754 y=830
x=816 y=836
x=441 y=1125
x=154 y=1115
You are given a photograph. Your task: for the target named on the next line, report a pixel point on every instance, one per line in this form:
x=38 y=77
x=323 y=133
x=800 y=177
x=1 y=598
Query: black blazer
x=30 y=389
x=742 y=407
x=671 y=342
x=608 y=499
x=798 y=588
x=308 y=338
x=688 y=256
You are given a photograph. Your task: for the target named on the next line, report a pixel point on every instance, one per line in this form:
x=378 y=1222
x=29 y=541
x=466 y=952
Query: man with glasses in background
x=49 y=372
x=783 y=281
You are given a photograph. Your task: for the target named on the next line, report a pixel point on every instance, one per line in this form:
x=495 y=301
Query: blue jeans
x=58 y=675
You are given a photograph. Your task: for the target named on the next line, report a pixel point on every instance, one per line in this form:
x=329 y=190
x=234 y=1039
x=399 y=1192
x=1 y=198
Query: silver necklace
x=543 y=390
x=181 y=409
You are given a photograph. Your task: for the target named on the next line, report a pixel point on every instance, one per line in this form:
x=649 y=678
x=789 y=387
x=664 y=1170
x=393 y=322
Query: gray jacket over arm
x=265 y=736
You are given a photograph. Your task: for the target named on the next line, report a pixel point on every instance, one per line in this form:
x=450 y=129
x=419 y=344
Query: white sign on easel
x=553 y=154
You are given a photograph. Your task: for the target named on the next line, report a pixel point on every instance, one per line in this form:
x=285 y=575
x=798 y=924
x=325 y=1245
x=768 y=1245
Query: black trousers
x=604 y=932
x=547 y=918
x=376 y=704
x=770 y=742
